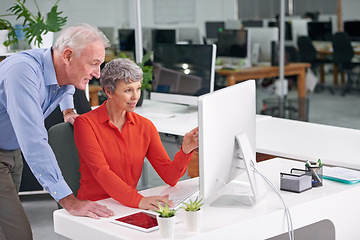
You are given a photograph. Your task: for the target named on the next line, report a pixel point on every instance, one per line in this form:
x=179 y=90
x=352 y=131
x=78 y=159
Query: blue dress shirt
x=29 y=92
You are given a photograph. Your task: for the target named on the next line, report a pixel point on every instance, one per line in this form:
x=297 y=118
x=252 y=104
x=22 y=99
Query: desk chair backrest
x=307 y=50
x=61 y=140
x=343 y=51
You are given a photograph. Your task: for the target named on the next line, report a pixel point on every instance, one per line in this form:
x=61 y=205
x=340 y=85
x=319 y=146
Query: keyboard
x=183 y=194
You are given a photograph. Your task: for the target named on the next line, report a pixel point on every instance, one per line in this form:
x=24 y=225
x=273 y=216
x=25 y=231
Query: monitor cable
x=287 y=211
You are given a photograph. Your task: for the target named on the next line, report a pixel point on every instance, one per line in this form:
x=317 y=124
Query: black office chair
x=61 y=140
x=342 y=57
x=308 y=53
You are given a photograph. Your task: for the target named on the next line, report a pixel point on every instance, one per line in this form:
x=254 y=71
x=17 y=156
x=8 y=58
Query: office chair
x=61 y=140
x=308 y=53
x=342 y=57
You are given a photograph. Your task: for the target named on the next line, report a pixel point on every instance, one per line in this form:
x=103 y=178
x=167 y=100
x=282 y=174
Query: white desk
x=309 y=141
x=334 y=201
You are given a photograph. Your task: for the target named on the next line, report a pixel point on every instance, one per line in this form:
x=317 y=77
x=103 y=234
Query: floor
x=324 y=108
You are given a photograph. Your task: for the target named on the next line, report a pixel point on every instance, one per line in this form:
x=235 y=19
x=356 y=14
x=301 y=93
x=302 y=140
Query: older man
x=32 y=84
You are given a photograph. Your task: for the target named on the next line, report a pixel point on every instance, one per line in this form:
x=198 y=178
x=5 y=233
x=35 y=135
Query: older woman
x=113 y=141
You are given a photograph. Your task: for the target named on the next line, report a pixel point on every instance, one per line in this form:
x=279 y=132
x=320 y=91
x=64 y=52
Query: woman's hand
x=151 y=203
x=191 y=141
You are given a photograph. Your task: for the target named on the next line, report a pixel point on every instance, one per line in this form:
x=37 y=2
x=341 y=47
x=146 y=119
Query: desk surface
x=309 y=141
x=264 y=220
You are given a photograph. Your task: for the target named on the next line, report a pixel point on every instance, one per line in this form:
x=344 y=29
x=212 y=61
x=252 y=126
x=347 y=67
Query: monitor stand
x=244 y=157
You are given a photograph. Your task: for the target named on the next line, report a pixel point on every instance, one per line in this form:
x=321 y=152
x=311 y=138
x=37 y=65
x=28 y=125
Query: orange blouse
x=111 y=161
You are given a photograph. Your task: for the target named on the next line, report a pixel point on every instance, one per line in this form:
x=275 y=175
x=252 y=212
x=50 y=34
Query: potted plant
x=147 y=76
x=192 y=214
x=166 y=221
x=35 y=25
x=7 y=35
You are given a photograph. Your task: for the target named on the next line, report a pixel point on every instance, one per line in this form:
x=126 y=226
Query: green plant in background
x=165 y=211
x=35 y=24
x=6 y=25
x=193 y=206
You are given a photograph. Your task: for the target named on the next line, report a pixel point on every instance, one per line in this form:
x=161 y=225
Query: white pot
x=193 y=220
x=166 y=226
x=47 y=41
x=3 y=38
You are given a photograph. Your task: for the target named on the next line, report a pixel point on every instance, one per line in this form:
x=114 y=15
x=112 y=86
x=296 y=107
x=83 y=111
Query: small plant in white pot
x=166 y=221
x=192 y=214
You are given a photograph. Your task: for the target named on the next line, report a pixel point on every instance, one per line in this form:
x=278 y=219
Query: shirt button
x=40 y=175
x=55 y=192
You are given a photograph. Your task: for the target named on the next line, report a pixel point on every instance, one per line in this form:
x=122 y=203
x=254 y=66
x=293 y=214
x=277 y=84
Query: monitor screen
x=252 y=23
x=160 y=36
x=212 y=29
x=352 y=28
x=320 y=31
x=227 y=123
x=288 y=29
x=183 y=72
x=233 y=43
x=263 y=37
x=127 y=39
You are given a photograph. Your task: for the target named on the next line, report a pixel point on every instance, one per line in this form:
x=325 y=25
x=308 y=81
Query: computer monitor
x=252 y=23
x=183 y=72
x=160 y=36
x=189 y=35
x=263 y=37
x=288 y=29
x=227 y=125
x=233 y=43
x=320 y=31
x=127 y=39
x=212 y=29
x=352 y=28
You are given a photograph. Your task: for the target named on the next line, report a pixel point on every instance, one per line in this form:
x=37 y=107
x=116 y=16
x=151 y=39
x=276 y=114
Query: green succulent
x=165 y=211
x=193 y=206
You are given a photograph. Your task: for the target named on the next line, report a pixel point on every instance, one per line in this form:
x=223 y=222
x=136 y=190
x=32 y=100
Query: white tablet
x=142 y=221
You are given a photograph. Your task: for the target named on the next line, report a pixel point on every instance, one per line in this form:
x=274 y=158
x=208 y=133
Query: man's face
x=83 y=68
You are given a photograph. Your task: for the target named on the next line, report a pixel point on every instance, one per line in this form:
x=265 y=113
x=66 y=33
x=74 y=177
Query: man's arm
x=84 y=207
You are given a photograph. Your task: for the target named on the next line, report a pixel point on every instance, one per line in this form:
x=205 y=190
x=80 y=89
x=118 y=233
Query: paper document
x=341 y=174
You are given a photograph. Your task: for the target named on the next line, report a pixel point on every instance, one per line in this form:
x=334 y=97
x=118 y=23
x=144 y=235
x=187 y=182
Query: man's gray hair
x=117 y=70
x=77 y=37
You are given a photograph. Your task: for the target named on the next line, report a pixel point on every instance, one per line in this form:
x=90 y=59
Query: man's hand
x=69 y=115
x=84 y=208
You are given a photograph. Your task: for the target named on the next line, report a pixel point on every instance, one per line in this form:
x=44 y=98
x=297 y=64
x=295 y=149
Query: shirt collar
x=49 y=70
x=104 y=117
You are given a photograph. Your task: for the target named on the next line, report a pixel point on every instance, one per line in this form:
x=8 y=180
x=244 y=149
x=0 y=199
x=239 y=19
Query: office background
x=324 y=108
x=186 y=13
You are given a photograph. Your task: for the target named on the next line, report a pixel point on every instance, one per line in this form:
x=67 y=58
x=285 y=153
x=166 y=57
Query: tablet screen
x=142 y=220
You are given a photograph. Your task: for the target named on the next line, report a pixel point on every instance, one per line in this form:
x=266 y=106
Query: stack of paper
x=340 y=174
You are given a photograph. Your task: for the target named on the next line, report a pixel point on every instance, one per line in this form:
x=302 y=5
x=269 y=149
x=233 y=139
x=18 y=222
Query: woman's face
x=126 y=95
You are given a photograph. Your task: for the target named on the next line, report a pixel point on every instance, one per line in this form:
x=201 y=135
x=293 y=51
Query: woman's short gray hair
x=77 y=37
x=117 y=70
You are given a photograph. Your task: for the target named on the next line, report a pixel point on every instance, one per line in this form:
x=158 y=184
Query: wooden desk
x=299 y=69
